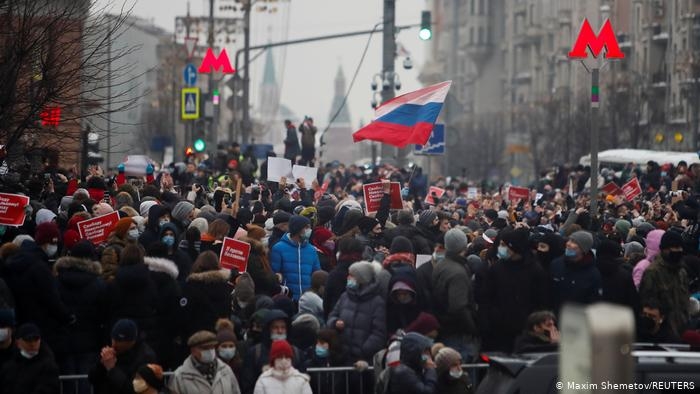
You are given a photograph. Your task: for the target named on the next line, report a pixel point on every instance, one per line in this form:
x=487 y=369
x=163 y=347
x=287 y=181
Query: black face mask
x=544 y=256
x=673 y=257
x=647 y=325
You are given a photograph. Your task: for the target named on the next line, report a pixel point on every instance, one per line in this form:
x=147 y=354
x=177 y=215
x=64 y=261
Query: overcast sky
x=309 y=69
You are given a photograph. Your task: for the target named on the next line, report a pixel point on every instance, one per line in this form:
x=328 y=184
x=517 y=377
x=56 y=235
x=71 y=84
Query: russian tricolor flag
x=407 y=119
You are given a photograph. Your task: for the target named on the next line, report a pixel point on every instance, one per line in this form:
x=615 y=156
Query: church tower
x=338 y=138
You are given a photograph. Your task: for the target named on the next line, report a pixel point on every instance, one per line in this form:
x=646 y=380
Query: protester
x=540 y=334
x=282 y=377
x=32 y=369
x=294 y=258
x=149 y=380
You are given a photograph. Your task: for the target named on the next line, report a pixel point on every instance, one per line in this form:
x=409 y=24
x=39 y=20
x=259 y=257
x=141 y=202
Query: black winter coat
x=575 y=282
x=618 y=286
x=85 y=295
x=513 y=290
x=337 y=282
x=206 y=297
x=410 y=377
x=164 y=274
x=133 y=295
x=119 y=379
x=420 y=244
x=38 y=375
x=36 y=293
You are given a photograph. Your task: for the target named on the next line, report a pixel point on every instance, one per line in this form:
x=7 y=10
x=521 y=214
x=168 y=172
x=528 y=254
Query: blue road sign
x=190 y=74
x=436 y=143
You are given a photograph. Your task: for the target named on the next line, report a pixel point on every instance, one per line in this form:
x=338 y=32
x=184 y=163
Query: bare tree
x=58 y=54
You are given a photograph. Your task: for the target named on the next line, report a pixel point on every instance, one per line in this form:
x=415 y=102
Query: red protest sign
x=438 y=192
x=12 y=209
x=612 y=189
x=632 y=189
x=518 y=193
x=234 y=254
x=373 y=193
x=322 y=190
x=96 y=230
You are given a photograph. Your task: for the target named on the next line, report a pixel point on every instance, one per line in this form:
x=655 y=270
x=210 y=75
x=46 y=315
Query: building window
x=472 y=5
x=481 y=35
x=471 y=34
x=482 y=8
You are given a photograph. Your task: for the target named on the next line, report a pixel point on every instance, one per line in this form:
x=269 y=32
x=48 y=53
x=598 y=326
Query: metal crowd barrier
x=70 y=384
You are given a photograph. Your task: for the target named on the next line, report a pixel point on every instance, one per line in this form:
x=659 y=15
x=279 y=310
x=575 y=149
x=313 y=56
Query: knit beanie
x=517 y=240
x=281 y=217
x=145 y=207
x=280 y=349
x=609 y=248
x=152 y=374
x=427 y=217
x=182 y=210
x=122 y=227
x=446 y=358
x=351 y=219
x=44 y=216
x=455 y=241
x=297 y=223
x=633 y=247
x=284 y=304
x=46 y=233
x=424 y=324
x=645 y=228
x=622 y=227
x=201 y=224
x=401 y=244
x=583 y=239
x=363 y=272
x=83 y=250
x=224 y=331
x=670 y=239
x=70 y=238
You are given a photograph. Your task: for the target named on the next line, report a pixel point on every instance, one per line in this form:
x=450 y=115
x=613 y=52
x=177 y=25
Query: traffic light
x=426 y=29
x=215 y=97
x=199 y=145
x=189 y=151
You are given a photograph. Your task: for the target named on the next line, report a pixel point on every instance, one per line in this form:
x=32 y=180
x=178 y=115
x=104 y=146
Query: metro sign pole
x=586 y=41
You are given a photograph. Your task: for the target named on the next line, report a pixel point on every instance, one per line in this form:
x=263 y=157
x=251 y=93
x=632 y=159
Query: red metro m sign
x=212 y=63
x=587 y=39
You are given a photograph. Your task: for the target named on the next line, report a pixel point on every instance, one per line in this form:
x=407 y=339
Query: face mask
x=352 y=284
x=133 y=234
x=227 y=353
x=140 y=385
x=543 y=255
x=51 y=250
x=278 y=337
x=663 y=173
x=570 y=253
x=169 y=240
x=321 y=351
x=283 y=364
x=242 y=304
x=4 y=334
x=456 y=374
x=28 y=355
x=437 y=257
x=208 y=356
x=502 y=252
x=647 y=325
x=424 y=357
x=163 y=222
x=306 y=235
x=404 y=299
x=673 y=257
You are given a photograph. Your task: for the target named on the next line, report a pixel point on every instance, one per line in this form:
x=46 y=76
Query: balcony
x=659 y=34
x=565 y=17
x=658 y=80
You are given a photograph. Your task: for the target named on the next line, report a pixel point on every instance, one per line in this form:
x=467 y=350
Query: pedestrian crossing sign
x=190 y=103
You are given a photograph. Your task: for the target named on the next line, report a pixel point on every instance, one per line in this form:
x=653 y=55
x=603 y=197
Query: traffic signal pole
x=213 y=137
x=388 y=57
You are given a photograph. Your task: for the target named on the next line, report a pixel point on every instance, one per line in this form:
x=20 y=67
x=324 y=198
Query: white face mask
x=227 y=353
x=4 y=334
x=208 y=356
x=283 y=364
x=140 y=385
x=28 y=355
x=278 y=337
x=133 y=234
x=51 y=250
x=456 y=374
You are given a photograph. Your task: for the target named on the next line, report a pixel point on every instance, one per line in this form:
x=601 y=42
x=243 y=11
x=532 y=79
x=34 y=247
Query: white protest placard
x=422 y=259
x=277 y=168
x=472 y=193
x=308 y=174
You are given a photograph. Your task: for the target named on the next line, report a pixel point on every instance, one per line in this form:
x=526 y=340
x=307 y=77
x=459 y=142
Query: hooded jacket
x=164 y=275
x=180 y=258
x=134 y=295
x=363 y=310
x=409 y=377
x=152 y=231
x=206 y=297
x=668 y=284
x=653 y=241
x=295 y=262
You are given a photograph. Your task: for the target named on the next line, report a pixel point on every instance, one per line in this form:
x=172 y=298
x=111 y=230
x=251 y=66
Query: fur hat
x=363 y=272
x=46 y=233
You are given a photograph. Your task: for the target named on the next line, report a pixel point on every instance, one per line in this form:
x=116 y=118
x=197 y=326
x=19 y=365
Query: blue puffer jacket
x=296 y=262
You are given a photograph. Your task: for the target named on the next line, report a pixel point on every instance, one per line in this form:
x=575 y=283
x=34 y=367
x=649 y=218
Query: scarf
x=207 y=370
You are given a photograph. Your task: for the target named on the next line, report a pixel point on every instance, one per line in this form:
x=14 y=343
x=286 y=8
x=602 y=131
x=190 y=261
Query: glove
x=120 y=168
x=361 y=366
x=149 y=169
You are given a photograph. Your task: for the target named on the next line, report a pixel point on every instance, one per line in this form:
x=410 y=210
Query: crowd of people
x=413 y=292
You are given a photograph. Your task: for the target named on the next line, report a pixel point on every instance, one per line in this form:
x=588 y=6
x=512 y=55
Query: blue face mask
x=352 y=283
x=321 y=351
x=424 y=357
x=503 y=252
x=663 y=173
x=570 y=253
x=169 y=240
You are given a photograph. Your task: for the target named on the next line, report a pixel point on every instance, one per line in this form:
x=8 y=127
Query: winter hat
x=125 y=330
x=307 y=320
x=245 y=288
x=455 y=241
x=152 y=374
x=503 y=215
x=102 y=209
x=284 y=304
x=264 y=302
x=28 y=331
x=46 y=233
x=297 y=223
x=446 y=358
x=671 y=239
x=325 y=214
x=517 y=240
x=256 y=232
x=622 y=226
x=122 y=227
x=201 y=338
x=427 y=217
x=366 y=224
x=44 y=216
x=490 y=235
x=401 y=244
x=201 y=224
x=424 y=324
x=405 y=217
x=145 y=207
x=583 y=239
x=18 y=240
x=280 y=349
x=281 y=217
x=399 y=285
x=182 y=210
x=491 y=214
x=70 y=238
x=609 y=248
x=644 y=229
x=7 y=317
x=363 y=272
x=224 y=331
x=350 y=220
x=84 y=250
x=633 y=247
x=318 y=279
